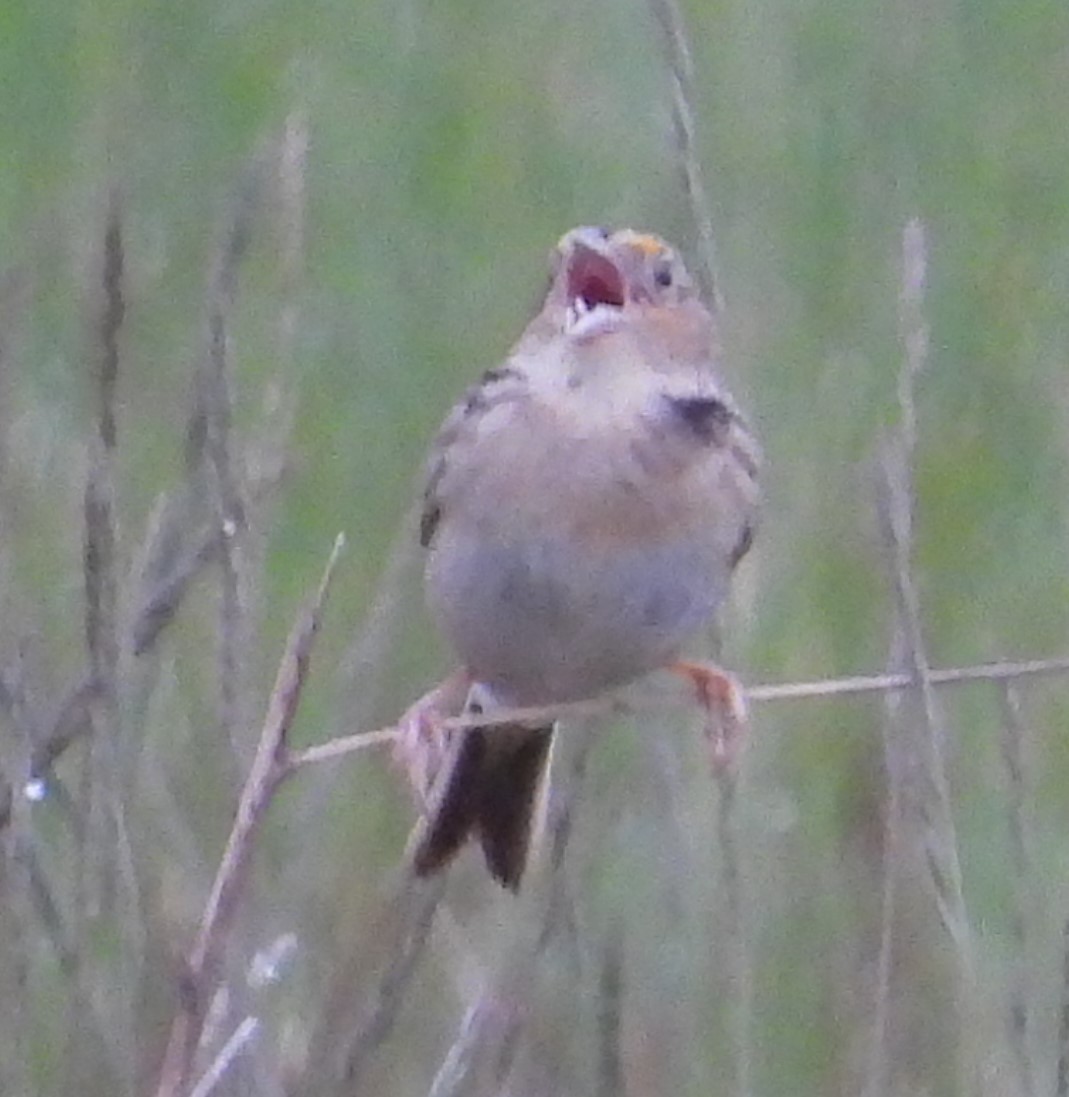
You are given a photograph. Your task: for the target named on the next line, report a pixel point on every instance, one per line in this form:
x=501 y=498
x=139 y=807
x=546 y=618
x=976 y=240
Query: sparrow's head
x=598 y=278
x=655 y=273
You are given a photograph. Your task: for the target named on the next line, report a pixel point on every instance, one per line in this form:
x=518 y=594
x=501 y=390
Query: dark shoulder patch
x=706 y=417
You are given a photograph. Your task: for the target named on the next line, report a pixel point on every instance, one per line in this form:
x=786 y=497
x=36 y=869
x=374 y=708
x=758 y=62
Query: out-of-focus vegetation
x=404 y=169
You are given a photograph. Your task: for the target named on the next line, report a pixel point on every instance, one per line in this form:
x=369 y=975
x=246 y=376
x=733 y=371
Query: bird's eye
x=662 y=275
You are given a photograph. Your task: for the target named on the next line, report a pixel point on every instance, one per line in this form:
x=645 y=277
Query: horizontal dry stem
x=537 y=715
x=878 y=683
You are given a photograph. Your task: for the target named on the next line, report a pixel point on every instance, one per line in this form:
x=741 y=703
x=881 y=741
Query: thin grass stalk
x=611 y=1081
x=26 y=913
x=459 y=1061
x=268 y=770
x=877 y=1082
x=1062 y=1076
x=211 y=440
x=238 y=1042
x=897 y=504
x=492 y=1030
x=345 y=1046
x=677 y=53
x=736 y=937
x=1020 y=992
x=109 y=884
x=100 y=573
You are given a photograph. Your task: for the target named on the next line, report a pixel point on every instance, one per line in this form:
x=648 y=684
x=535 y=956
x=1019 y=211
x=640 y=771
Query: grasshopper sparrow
x=586 y=502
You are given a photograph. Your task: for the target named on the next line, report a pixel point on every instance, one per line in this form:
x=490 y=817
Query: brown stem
x=269 y=769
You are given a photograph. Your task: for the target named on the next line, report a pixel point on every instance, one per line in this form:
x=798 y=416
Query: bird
x=585 y=505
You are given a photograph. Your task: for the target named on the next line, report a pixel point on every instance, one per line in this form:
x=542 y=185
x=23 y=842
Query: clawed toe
x=421 y=745
x=721 y=697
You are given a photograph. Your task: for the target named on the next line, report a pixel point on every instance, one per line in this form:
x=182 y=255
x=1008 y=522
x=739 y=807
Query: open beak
x=595 y=291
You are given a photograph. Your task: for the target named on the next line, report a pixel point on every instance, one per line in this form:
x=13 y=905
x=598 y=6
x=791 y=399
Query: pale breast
x=541 y=620
x=573 y=562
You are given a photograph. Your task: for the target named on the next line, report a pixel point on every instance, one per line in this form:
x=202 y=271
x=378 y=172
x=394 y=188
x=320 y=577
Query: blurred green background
x=415 y=164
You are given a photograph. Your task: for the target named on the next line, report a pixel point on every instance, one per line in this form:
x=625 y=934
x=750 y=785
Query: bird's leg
x=421 y=746
x=721 y=697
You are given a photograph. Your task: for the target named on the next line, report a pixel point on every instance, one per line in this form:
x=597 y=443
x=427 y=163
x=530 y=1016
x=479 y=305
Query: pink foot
x=421 y=744
x=721 y=696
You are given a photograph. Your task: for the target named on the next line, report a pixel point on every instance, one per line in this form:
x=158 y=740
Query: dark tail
x=490 y=791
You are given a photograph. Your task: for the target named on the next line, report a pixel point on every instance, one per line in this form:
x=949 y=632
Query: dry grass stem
x=1018 y=796
x=112 y=314
x=483 y=1049
x=267 y=772
x=343 y=1049
x=15 y=295
x=236 y=1043
x=101 y=538
x=290 y=178
x=100 y=576
x=876 y=1079
x=73 y=718
x=538 y=715
x=896 y=507
x=940 y=840
x=486 y=1045
x=561 y=810
x=883 y=683
x=46 y=907
x=1062 y=1083
x=105 y=883
x=337 y=748
x=611 y=1078
x=172 y=556
x=211 y=437
x=912 y=329
x=669 y=19
x=70 y=722
x=459 y=1061
x=163 y=595
x=896 y=504
x=736 y=938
